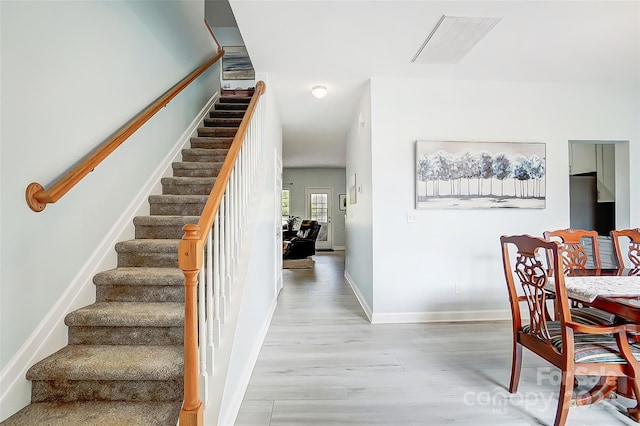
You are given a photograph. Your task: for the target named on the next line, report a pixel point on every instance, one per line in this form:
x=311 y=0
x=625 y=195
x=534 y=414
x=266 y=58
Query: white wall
x=417 y=265
x=299 y=179
x=260 y=292
x=359 y=222
x=72 y=74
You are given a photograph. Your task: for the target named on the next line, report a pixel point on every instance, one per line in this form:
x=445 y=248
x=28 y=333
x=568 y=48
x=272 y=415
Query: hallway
x=323 y=363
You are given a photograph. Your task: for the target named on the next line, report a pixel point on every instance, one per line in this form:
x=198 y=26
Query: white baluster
x=228 y=257
x=202 y=337
x=211 y=325
x=216 y=280
x=218 y=277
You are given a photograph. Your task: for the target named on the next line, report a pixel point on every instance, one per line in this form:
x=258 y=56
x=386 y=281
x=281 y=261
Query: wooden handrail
x=211 y=207
x=38 y=197
x=190 y=260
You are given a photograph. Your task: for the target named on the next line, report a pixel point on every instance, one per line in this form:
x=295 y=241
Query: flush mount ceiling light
x=452 y=38
x=319 y=91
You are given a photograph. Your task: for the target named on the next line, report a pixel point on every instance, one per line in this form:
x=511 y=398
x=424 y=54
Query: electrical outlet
x=458 y=288
x=412 y=217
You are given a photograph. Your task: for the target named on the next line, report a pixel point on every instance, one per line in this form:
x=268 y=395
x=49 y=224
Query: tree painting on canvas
x=480 y=175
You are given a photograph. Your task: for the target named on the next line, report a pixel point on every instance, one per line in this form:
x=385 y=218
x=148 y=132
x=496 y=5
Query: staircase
x=123 y=364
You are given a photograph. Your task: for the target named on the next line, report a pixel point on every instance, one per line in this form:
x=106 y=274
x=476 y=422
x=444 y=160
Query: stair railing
x=38 y=197
x=208 y=255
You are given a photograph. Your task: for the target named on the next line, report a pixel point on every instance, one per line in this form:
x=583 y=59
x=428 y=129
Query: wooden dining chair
x=628 y=257
x=574 y=348
x=573 y=252
x=574 y=256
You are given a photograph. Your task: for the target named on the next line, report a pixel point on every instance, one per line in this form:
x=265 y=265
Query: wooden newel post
x=190 y=261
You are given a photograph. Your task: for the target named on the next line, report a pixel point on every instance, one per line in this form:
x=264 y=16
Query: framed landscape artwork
x=236 y=64
x=480 y=175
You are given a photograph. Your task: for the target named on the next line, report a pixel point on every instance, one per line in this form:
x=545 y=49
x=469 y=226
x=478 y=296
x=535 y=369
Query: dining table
x=613 y=290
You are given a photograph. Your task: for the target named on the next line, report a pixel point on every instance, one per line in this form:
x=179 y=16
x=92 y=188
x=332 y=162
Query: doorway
x=318 y=207
x=592 y=186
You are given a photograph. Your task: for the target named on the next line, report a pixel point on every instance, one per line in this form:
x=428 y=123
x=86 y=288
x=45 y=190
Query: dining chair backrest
x=627 y=255
x=575 y=348
x=527 y=278
x=572 y=249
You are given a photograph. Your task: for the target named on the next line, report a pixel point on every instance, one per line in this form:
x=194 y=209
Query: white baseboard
x=339 y=248
x=445 y=316
x=417 y=317
x=363 y=302
x=51 y=334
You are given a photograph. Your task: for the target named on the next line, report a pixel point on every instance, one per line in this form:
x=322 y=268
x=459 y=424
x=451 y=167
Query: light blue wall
x=72 y=74
x=297 y=180
x=359 y=222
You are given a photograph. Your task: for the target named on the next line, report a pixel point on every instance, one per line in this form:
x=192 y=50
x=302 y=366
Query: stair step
x=230 y=106
x=211 y=142
x=204 y=155
x=97 y=413
x=187 y=185
x=180 y=205
x=248 y=92
x=109 y=373
x=222 y=122
x=127 y=323
x=162 y=226
x=226 y=113
x=161 y=253
x=140 y=284
x=234 y=99
x=217 y=131
x=197 y=169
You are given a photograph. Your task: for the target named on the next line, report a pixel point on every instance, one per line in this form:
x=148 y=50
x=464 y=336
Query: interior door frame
x=322 y=245
x=622 y=179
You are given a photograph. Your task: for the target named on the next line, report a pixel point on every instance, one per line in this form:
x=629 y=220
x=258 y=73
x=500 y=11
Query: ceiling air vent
x=452 y=38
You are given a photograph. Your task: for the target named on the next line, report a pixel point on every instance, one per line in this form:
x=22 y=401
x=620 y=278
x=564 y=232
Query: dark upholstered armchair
x=304 y=242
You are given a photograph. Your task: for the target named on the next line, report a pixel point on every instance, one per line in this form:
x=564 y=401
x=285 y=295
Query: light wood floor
x=323 y=363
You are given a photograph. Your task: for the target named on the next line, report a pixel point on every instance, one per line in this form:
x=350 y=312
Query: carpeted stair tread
x=197 y=169
x=127 y=314
x=185 y=199
x=97 y=413
x=230 y=106
x=177 y=205
x=187 y=185
x=234 y=99
x=140 y=284
x=188 y=180
x=148 y=245
x=217 y=131
x=162 y=227
x=226 y=113
x=206 y=152
x=161 y=253
x=111 y=362
x=140 y=276
x=222 y=122
x=164 y=220
x=211 y=142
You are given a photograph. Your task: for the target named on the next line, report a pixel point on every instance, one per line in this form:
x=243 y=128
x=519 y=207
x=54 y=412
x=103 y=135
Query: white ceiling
x=342 y=44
